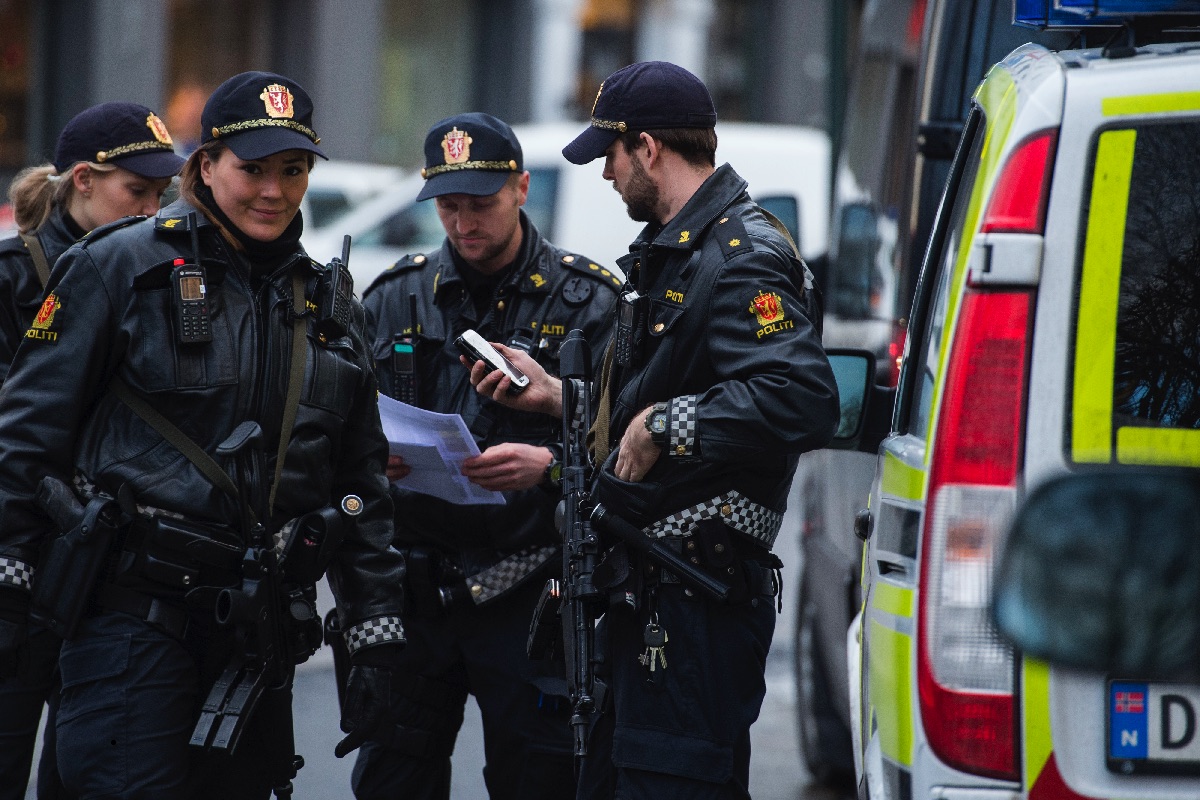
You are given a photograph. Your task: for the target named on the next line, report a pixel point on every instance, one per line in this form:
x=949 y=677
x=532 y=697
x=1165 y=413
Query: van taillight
x=1018 y=203
x=964 y=671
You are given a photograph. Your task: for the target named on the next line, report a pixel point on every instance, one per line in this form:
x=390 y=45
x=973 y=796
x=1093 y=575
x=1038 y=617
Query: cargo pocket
x=672 y=753
x=92 y=724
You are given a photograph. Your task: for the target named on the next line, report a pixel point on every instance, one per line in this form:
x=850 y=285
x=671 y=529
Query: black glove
x=368 y=700
x=14 y=616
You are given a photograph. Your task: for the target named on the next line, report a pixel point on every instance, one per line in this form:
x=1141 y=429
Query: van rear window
x=1136 y=388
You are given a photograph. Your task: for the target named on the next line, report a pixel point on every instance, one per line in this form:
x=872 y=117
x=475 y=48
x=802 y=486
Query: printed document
x=434 y=445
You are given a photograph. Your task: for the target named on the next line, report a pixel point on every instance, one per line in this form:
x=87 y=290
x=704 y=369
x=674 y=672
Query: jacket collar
x=531 y=242
x=56 y=235
x=685 y=230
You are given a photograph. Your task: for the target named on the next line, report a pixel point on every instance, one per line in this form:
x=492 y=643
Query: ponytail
x=35 y=192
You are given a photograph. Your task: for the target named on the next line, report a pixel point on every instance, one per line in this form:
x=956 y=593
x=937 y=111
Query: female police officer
x=164 y=337
x=112 y=160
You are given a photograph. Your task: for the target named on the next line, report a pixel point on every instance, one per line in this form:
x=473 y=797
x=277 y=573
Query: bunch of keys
x=655 y=638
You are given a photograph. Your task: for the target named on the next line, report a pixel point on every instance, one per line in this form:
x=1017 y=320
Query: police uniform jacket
x=21 y=289
x=110 y=314
x=728 y=344
x=547 y=293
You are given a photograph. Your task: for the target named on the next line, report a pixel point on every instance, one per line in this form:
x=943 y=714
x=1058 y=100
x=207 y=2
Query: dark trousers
x=130 y=698
x=22 y=699
x=683 y=731
x=478 y=651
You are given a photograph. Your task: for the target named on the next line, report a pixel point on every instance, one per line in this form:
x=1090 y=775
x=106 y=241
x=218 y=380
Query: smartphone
x=476 y=348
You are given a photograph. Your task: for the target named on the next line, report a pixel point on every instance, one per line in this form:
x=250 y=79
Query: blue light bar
x=1126 y=8
x=1077 y=14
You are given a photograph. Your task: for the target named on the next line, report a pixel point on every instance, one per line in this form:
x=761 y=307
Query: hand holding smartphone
x=476 y=348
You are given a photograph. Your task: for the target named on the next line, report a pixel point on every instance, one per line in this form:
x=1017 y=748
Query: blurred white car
x=336 y=187
x=787 y=168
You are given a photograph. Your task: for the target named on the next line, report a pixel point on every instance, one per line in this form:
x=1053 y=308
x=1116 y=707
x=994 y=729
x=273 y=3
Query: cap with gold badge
x=258 y=114
x=646 y=96
x=469 y=154
x=128 y=135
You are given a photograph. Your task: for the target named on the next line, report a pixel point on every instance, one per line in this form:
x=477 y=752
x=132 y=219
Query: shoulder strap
x=39 y=257
x=291 y=405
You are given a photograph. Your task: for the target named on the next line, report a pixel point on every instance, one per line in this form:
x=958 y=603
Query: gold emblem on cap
x=597 y=100
x=277 y=99
x=159 y=130
x=456 y=146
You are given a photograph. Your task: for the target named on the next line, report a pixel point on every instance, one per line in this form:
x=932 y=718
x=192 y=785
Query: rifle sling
x=196 y=454
x=40 y=262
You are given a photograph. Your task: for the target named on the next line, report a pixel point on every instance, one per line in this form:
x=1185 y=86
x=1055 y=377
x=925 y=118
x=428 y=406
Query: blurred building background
x=381 y=71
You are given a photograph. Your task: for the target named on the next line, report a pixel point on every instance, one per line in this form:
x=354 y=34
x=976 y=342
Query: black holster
x=73 y=560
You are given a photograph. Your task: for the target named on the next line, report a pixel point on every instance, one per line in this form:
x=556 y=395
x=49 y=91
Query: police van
x=1055 y=329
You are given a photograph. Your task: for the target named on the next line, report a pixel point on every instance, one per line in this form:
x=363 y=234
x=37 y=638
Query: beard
x=640 y=194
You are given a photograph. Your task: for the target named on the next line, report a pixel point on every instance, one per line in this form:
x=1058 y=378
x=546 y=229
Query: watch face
x=658 y=423
x=556 y=472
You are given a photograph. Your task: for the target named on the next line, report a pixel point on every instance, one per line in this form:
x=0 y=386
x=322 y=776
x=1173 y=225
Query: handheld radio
x=404 y=359
x=189 y=295
x=335 y=292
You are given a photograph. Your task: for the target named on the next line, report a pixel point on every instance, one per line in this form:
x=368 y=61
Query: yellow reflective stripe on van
x=891 y=695
x=1150 y=103
x=892 y=599
x=1099 y=291
x=997 y=96
x=1035 y=701
x=1167 y=447
x=900 y=480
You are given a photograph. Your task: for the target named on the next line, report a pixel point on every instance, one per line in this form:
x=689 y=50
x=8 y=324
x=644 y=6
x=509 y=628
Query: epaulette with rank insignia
x=408 y=263
x=609 y=275
x=171 y=224
x=103 y=230
x=731 y=235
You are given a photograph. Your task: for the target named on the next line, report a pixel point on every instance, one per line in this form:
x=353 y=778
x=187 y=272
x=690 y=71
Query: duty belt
x=737 y=511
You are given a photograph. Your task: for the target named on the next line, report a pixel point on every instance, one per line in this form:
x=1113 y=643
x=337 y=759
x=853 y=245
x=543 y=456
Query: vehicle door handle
x=890 y=567
x=863 y=523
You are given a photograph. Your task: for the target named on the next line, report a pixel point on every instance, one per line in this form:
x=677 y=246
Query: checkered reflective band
x=16 y=573
x=580 y=413
x=499 y=578
x=738 y=512
x=681 y=439
x=374 y=631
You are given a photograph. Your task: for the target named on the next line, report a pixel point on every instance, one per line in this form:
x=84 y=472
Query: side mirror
x=865 y=408
x=1102 y=571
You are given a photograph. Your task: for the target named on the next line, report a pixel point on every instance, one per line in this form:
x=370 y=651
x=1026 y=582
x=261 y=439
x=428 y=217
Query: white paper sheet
x=434 y=445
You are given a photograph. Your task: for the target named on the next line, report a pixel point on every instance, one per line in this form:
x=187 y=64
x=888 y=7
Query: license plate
x=1153 y=728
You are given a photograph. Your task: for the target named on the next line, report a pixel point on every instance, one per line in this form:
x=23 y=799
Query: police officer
x=111 y=160
x=717 y=383
x=476 y=570
x=167 y=349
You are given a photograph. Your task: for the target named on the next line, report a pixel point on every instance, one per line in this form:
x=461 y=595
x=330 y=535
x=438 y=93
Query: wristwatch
x=553 y=474
x=656 y=423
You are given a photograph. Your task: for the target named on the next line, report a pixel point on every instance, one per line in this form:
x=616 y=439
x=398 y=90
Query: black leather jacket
x=728 y=345
x=21 y=289
x=548 y=293
x=110 y=314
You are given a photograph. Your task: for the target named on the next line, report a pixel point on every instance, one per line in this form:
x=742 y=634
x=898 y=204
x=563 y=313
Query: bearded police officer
x=717 y=383
x=476 y=571
x=199 y=396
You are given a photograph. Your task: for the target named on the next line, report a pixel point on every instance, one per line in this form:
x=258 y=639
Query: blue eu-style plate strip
x=1128 y=714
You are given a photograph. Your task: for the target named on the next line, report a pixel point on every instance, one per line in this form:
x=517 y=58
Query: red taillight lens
x=964 y=671
x=1018 y=203
x=896 y=351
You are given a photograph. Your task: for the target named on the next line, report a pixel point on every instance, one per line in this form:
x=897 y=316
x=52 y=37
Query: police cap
x=125 y=134
x=258 y=114
x=649 y=95
x=469 y=154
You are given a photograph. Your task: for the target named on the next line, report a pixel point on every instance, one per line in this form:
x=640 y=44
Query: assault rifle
x=580 y=601
x=273 y=617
